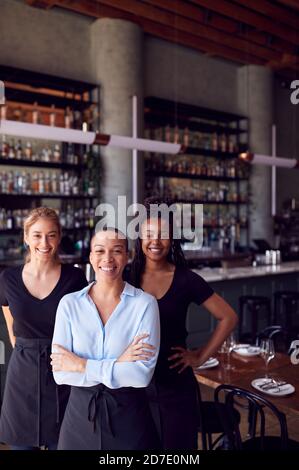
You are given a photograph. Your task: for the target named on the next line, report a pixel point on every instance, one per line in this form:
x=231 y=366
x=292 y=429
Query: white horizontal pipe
x=143 y=144
x=39 y=131
x=259 y=159
x=274 y=161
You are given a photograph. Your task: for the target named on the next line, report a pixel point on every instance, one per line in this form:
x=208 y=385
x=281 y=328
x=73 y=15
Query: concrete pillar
x=117 y=58
x=255 y=100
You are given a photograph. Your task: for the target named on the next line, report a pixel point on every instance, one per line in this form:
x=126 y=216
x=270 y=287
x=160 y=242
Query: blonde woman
x=33 y=405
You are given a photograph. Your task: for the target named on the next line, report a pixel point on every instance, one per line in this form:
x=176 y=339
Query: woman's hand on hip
x=66 y=361
x=183 y=358
x=138 y=350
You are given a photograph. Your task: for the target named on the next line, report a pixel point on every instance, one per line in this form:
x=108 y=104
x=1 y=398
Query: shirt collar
x=128 y=289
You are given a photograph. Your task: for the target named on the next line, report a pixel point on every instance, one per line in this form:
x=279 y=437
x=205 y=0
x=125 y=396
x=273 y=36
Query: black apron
x=174 y=406
x=110 y=419
x=33 y=405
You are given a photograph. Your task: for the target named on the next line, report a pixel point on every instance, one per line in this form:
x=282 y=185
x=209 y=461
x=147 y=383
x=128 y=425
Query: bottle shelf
x=25 y=86
x=154 y=119
x=200 y=201
x=173 y=174
x=41 y=164
x=160 y=112
x=210 y=153
x=48 y=196
x=211 y=226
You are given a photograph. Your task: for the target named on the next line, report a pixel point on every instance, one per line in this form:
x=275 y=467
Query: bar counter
x=231 y=283
x=223 y=274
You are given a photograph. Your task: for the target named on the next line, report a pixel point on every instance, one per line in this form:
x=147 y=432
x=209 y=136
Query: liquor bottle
x=68 y=118
x=67 y=186
x=176 y=135
x=46 y=154
x=47 y=183
x=54 y=183
x=11 y=150
x=223 y=143
x=41 y=183
x=52 y=117
x=3 y=112
x=10 y=183
x=214 y=142
x=35 y=114
x=186 y=137
x=28 y=151
x=56 y=154
x=4 y=147
x=9 y=220
x=19 y=150
x=34 y=183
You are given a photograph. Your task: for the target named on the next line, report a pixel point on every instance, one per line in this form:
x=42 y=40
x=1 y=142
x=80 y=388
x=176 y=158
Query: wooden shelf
x=156 y=118
x=200 y=201
x=173 y=174
x=47 y=196
x=39 y=164
x=188 y=111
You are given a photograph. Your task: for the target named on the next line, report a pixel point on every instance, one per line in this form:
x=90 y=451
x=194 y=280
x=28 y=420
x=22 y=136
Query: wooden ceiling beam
x=44 y=4
x=98 y=10
x=223 y=24
x=247 y=16
x=272 y=10
x=180 y=23
x=290 y=3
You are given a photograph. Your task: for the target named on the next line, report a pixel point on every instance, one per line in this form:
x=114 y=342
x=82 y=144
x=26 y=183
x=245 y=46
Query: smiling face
x=43 y=239
x=108 y=255
x=155 y=239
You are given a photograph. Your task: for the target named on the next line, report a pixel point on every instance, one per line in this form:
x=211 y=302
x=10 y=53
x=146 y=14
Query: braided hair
x=175 y=255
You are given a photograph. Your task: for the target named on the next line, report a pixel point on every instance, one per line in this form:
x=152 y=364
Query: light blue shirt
x=79 y=329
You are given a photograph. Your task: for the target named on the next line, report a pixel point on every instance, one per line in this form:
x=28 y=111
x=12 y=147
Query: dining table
x=246 y=369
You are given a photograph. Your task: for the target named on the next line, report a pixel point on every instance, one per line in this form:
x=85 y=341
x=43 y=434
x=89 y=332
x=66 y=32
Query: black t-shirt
x=35 y=318
x=186 y=287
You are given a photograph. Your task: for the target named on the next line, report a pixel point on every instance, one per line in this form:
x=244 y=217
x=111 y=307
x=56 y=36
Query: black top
x=35 y=318
x=186 y=287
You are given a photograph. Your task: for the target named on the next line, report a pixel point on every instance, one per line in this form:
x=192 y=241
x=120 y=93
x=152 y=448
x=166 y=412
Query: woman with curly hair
x=159 y=268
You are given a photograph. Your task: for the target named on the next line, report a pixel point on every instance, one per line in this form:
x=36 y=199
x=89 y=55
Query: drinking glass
x=228 y=346
x=267 y=352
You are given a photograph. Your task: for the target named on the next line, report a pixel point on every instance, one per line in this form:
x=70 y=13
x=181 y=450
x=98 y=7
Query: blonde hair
x=34 y=216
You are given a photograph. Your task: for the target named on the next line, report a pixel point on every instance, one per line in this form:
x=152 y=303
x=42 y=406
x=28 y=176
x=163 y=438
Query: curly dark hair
x=175 y=255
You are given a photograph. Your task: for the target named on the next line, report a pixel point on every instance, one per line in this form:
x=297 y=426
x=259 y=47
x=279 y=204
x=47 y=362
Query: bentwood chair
x=263 y=409
x=210 y=421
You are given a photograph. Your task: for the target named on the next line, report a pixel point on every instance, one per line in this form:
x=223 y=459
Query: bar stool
x=286 y=306
x=253 y=304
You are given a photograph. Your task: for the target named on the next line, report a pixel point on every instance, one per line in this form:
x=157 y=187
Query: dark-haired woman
x=100 y=348
x=159 y=269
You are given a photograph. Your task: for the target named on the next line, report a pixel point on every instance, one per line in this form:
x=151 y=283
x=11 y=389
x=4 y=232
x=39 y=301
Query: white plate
x=284 y=390
x=247 y=350
x=211 y=362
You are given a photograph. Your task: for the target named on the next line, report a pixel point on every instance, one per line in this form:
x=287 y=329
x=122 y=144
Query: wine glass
x=267 y=352
x=228 y=346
